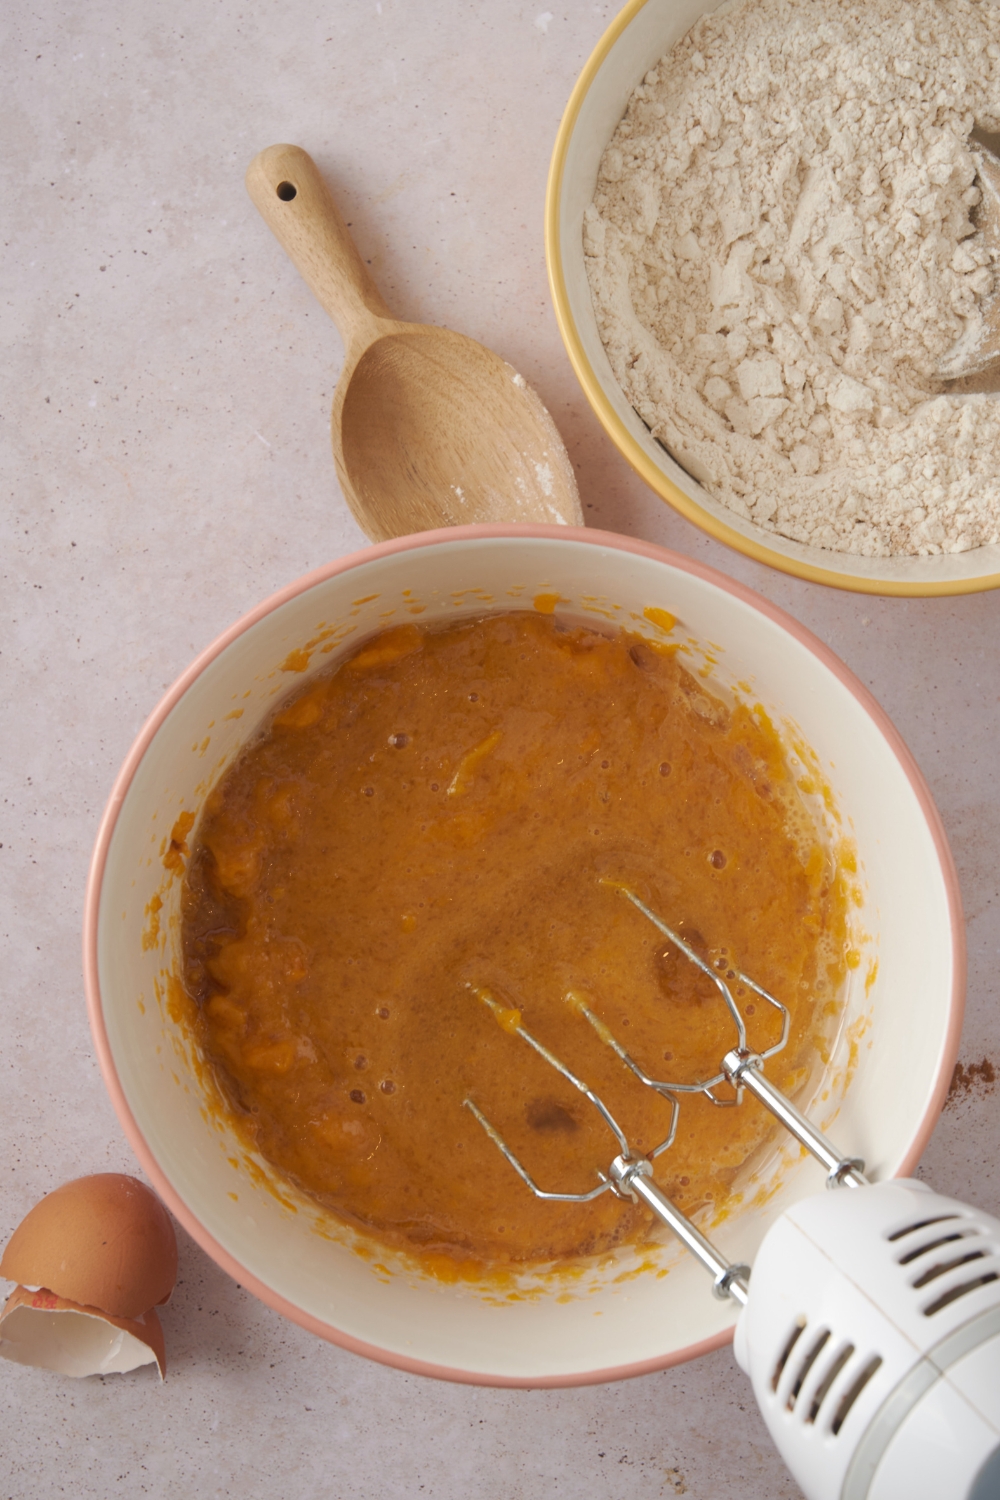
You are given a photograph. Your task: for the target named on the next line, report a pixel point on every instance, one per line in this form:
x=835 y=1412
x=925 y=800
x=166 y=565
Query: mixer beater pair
x=871 y=1332
x=630 y=1173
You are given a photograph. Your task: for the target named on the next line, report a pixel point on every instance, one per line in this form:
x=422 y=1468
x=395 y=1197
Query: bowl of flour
x=765 y=234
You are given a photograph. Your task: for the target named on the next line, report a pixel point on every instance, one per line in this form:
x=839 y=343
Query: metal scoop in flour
x=973 y=364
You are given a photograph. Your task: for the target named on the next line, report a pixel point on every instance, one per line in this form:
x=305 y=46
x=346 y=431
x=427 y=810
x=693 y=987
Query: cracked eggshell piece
x=104 y=1242
x=51 y=1333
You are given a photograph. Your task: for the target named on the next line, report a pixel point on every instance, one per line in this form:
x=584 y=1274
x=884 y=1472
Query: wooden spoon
x=429 y=428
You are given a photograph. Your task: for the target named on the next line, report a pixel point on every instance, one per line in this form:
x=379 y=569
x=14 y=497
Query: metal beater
x=871 y=1330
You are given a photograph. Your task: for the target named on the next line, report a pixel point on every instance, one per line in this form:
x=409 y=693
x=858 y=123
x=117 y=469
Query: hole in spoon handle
x=288 y=190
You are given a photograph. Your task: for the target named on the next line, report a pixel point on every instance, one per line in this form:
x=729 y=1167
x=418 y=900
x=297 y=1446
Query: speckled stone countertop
x=167 y=383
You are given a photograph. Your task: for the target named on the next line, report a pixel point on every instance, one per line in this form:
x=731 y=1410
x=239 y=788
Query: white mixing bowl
x=903 y=1021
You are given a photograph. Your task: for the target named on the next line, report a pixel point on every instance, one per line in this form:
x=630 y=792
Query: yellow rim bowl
x=632 y=44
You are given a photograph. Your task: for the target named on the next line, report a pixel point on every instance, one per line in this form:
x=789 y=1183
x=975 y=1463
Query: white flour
x=780 y=251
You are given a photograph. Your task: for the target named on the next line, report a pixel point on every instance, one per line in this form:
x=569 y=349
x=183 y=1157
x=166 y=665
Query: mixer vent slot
x=921 y=1224
x=853 y=1392
x=969 y=1245
x=943 y=1266
x=953 y=1293
x=790 y=1343
x=808 y=1360
x=823 y=1389
x=943 y=1239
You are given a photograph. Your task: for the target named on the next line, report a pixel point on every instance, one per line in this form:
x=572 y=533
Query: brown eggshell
x=52 y=1333
x=104 y=1241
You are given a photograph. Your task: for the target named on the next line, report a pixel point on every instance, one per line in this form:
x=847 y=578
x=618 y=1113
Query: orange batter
x=436 y=814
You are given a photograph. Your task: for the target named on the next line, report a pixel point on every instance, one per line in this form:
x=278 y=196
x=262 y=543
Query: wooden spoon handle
x=286 y=187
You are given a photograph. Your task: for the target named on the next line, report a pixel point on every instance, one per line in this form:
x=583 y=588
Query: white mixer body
x=872 y=1338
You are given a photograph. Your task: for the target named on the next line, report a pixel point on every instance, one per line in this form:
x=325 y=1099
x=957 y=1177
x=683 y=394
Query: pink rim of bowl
x=412 y=543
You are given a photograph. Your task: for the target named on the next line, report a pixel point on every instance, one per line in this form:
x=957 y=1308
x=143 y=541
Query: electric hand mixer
x=871 y=1326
